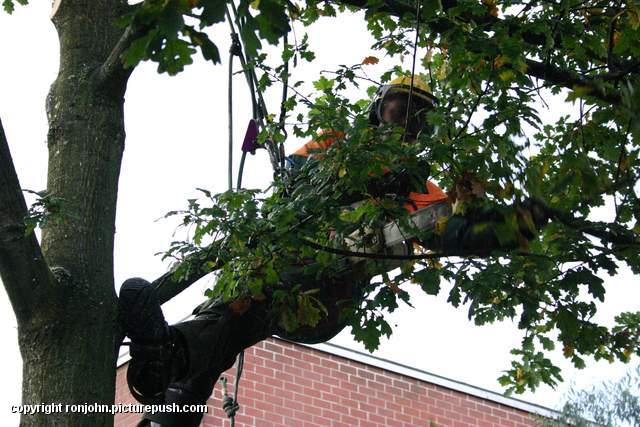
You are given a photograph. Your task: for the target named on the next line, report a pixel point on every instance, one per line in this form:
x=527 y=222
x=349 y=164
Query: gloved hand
x=476 y=233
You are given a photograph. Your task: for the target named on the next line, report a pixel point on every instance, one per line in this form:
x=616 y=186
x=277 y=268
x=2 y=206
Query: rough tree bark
x=68 y=335
x=63 y=294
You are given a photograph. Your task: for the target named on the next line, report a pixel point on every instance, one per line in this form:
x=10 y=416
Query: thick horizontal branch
x=192 y=269
x=548 y=73
x=613 y=234
x=570 y=80
x=23 y=270
x=441 y=25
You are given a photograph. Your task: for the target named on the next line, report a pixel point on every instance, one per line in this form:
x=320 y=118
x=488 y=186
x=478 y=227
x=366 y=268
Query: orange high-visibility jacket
x=433 y=193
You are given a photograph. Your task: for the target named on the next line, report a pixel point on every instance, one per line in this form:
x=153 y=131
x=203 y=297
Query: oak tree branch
x=24 y=272
x=546 y=72
x=192 y=269
x=113 y=65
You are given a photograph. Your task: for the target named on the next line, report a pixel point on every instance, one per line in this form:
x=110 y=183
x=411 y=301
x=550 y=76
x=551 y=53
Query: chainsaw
x=394 y=239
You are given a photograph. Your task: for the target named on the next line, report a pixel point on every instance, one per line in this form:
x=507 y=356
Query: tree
x=614 y=403
x=488 y=63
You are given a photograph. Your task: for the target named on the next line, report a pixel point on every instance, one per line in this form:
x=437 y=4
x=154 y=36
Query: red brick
x=293 y=353
x=308 y=357
x=384 y=379
x=319 y=369
x=366 y=407
x=274 y=347
x=348 y=386
x=305 y=366
x=321 y=421
x=276 y=418
x=515 y=416
x=329 y=362
x=313 y=410
x=285 y=360
x=303 y=416
x=263 y=354
x=385 y=412
x=401 y=384
x=265 y=372
x=499 y=413
x=266 y=389
x=348 y=369
x=288 y=385
x=361 y=415
x=363 y=373
x=309 y=391
x=360 y=397
x=320 y=403
x=376 y=418
x=275 y=382
x=349 y=420
x=330 y=414
x=321 y=387
x=272 y=364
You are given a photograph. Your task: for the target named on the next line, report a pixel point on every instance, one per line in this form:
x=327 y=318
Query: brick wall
x=285 y=384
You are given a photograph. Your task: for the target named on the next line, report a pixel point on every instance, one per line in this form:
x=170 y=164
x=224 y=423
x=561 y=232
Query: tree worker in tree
x=403 y=102
x=181 y=363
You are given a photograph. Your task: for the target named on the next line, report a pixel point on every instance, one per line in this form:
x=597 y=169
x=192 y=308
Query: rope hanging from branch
x=259 y=108
x=230 y=404
x=413 y=67
x=276 y=154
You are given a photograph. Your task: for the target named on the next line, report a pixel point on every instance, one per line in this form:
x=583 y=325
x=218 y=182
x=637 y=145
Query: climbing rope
x=234 y=50
x=259 y=107
x=283 y=110
x=413 y=68
x=230 y=404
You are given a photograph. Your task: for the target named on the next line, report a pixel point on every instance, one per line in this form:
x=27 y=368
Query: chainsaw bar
x=423 y=219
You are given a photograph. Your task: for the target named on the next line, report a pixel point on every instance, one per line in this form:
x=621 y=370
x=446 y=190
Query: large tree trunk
x=69 y=346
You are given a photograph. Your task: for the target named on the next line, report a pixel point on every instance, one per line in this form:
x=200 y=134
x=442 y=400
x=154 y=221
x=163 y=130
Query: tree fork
x=77 y=333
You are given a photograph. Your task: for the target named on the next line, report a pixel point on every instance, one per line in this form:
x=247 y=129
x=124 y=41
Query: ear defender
x=374 y=108
x=421 y=92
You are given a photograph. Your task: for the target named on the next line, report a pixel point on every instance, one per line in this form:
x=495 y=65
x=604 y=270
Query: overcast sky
x=176 y=141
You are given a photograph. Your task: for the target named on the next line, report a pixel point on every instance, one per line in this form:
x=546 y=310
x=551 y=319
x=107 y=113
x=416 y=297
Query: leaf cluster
x=493 y=67
x=9 y=5
x=47 y=208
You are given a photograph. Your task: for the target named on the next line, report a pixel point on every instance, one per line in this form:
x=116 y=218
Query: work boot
x=152 y=342
x=180 y=411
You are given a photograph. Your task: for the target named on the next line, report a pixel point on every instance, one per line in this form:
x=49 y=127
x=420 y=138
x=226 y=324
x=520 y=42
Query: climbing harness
x=391 y=240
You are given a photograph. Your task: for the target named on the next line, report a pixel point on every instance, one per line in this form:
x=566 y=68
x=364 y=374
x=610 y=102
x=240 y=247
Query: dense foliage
x=492 y=65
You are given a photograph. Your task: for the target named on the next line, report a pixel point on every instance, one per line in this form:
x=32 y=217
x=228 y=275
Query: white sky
x=176 y=141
